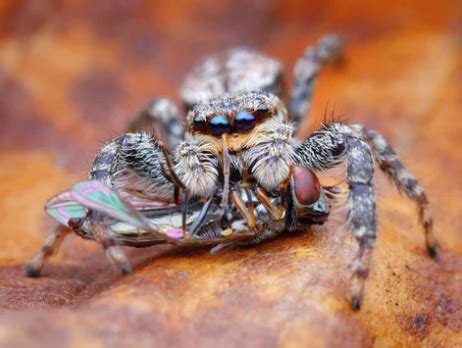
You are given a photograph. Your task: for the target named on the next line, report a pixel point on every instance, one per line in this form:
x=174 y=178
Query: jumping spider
x=238 y=168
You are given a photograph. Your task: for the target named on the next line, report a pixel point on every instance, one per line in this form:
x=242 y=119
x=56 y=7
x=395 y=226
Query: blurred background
x=72 y=73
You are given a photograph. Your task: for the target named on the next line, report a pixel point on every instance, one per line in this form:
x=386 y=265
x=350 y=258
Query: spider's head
x=241 y=117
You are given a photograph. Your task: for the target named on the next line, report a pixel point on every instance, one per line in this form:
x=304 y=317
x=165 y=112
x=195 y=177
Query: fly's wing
x=63 y=208
x=96 y=196
x=152 y=220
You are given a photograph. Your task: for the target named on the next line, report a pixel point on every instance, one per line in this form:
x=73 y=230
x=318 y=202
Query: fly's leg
x=199 y=222
x=327 y=49
x=117 y=257
x=50 y=247
x=114 y=253
x=162 y=118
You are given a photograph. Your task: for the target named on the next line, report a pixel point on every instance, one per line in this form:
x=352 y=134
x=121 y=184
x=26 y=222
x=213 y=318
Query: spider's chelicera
x=234 y=174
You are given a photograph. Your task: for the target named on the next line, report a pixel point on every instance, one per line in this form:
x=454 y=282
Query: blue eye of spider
x=219 y=125
x=244 y=121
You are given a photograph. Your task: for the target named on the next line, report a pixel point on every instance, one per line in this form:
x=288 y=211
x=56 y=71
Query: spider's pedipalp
x=269 y=153
x=196 y=163
x=327 y=49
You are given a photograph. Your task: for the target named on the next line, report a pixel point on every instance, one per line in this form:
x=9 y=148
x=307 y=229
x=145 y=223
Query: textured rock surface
x=72 y=74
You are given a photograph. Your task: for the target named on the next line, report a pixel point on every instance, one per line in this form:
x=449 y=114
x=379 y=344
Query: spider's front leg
x=327 y=49
x=133 y=161
x=162 y=118
x=335 y=143
x=130 y=162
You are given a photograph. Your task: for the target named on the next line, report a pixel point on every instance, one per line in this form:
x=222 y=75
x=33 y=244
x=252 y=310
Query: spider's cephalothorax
x=238 y=165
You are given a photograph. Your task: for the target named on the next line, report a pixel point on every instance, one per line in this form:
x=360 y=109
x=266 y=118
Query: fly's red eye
x=261 y=111
x=306 y=186
x=244 y=121
x=219 y=125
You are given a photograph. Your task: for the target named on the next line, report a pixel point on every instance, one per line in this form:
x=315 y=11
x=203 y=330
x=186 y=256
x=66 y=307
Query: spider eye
x=244 y=121
x=219 y=125
x=262 y=110
x=198 y=123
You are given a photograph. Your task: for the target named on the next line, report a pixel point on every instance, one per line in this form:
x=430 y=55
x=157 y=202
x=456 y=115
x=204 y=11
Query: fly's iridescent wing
x=96 y=196
x=164 y=219
x=63 y=208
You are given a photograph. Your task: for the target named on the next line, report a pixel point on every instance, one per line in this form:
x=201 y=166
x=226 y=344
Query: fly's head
x=307 y=199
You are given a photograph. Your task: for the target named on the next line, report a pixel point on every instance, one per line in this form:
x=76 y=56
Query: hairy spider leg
x=404 y=180
x=323 y=150
x=407 y=183
x=162 y=118
x=335 y=143
x=327 y=49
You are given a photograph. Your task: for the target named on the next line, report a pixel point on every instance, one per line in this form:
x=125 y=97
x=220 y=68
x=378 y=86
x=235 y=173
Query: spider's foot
x=433 y=251
x=356 y=302
x=32 y=271
x=126 y=269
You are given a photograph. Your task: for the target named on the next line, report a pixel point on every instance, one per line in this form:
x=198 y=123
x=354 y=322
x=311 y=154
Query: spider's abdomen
x=235 y=71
